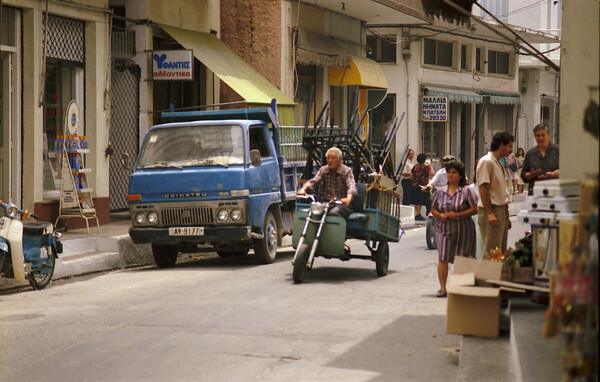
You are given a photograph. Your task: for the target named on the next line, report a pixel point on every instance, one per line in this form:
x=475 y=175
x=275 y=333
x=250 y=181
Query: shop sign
x=172 y=65
x=435 y=108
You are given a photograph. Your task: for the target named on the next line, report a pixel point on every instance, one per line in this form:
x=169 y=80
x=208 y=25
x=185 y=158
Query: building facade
x=52 y=53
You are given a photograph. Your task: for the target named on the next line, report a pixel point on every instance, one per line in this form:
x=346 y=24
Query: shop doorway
x=124 y=128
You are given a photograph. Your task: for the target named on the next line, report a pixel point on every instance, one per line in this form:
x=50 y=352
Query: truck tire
x=265 y=249
x=165 y=256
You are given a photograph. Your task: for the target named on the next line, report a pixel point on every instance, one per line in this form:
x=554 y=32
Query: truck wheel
x=265 y=249
x=300 y=265
x=430 y=234
x=165 y=256
x=42 y=277
x=382 y=258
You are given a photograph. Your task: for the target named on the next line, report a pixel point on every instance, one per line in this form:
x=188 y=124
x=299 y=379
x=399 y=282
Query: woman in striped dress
x=453 y=205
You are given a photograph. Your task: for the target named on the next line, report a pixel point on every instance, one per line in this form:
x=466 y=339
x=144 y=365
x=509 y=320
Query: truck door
x=263 y=181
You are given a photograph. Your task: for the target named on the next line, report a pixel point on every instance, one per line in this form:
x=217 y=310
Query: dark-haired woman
x=420 y=178
x=454 y=205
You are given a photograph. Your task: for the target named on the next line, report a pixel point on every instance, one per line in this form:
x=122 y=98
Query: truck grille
x=184 y=216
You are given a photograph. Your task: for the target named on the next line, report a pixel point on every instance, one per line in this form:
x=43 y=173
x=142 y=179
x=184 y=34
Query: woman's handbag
x=513 y=167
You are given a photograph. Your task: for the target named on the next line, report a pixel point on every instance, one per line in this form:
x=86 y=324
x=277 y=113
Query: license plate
x=186 y=231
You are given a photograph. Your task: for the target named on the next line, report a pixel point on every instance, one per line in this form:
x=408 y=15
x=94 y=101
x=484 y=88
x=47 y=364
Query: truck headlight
x=222 y=215
x=140 y=218
x=152 y=218
x=236 y=215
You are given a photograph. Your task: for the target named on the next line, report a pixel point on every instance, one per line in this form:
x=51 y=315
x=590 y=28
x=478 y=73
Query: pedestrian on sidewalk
x=511 y=166
x=420 y=178
x=520 y=160
x=541 y=162
x=494 y=221
x=406 y=181
x=453 y=205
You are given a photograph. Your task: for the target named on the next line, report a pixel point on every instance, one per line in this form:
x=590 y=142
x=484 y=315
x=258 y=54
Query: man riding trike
x=321 y=228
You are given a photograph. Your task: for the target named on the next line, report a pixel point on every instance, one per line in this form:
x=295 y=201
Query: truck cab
x=212 y=177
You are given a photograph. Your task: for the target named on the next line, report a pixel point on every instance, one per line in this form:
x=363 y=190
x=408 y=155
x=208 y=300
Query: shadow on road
x=411 y=348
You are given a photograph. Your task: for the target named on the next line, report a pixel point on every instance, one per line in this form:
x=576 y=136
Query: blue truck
x=217 y=178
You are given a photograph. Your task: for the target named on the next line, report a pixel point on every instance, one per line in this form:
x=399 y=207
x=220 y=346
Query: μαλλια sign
x=435 y=109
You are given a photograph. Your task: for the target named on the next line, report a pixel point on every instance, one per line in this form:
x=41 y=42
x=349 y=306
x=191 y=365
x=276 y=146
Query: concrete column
x=33 y=118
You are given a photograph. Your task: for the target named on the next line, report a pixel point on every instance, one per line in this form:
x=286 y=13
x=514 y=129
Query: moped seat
x=39 y=228
x=357 y=217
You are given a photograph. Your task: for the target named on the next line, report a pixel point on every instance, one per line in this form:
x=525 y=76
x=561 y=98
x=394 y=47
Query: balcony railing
x=122 y=41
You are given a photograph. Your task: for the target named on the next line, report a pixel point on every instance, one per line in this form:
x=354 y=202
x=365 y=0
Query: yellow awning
x=228 y=66
x=362 y=71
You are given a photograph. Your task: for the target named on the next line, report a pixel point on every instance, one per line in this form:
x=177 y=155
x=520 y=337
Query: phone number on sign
x=437 y=118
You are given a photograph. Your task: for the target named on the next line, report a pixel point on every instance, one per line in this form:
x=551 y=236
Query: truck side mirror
x=125 y=161
x=255 y=158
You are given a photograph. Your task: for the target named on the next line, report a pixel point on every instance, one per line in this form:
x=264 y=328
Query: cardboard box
x=473 y=307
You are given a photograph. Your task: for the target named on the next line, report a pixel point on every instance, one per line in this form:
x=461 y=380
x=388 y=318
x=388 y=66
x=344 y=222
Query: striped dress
x=455 y=237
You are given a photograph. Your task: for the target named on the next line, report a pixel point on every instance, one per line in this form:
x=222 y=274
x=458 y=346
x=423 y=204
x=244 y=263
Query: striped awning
x=468 y=96
x=503 y=99
x=362 y=71
x=453 y=95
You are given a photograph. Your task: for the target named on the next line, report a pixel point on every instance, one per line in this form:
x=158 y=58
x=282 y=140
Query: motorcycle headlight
x=140 y=218
x=152 y=218
x=236 y=215
x=222 y=215
x=12 y=212
x=317 y=208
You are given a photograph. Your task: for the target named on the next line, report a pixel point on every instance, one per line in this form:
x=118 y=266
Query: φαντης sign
x=172 y=65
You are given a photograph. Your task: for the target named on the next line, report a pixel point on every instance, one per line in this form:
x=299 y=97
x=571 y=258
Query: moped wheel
x=430 y=234
x=41 y=278
x=300 y=265
x=382 y=258
x=165 y=256
x=265 y=249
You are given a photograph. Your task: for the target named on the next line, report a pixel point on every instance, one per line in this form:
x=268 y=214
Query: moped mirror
x=255 y=158
x=125 y=161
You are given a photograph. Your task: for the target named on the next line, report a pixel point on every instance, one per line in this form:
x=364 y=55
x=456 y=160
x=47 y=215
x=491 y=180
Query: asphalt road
x=217 y=319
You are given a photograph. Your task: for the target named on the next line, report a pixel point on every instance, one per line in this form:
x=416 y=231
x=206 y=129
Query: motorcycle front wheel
x=300 y=265
x=42 y=277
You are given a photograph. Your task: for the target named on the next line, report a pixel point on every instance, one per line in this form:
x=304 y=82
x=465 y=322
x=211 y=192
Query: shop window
x=498 y=62
x=382 y=118
x=463 y=57
x=64 y=82
x=307 y=80
x=381 y=48
x=438 y=53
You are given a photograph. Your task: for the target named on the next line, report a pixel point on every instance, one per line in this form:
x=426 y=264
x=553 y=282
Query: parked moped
x=27 y=250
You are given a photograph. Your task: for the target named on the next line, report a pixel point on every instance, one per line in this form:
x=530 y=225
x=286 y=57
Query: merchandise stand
x=75 y=195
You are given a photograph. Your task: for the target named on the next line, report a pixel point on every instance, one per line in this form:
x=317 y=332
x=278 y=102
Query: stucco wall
x=252 y=29
x=197 y=15
x=579 y=71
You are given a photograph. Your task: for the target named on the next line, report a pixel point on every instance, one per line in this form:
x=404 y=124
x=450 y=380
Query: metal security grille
x=124 y=128
x=185 y=216
x=65 y=38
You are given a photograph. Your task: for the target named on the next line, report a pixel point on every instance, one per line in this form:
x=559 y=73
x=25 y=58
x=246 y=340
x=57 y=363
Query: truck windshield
x=187 y=146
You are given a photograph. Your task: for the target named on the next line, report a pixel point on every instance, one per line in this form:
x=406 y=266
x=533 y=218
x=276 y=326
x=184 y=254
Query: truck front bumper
x=144 y=235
